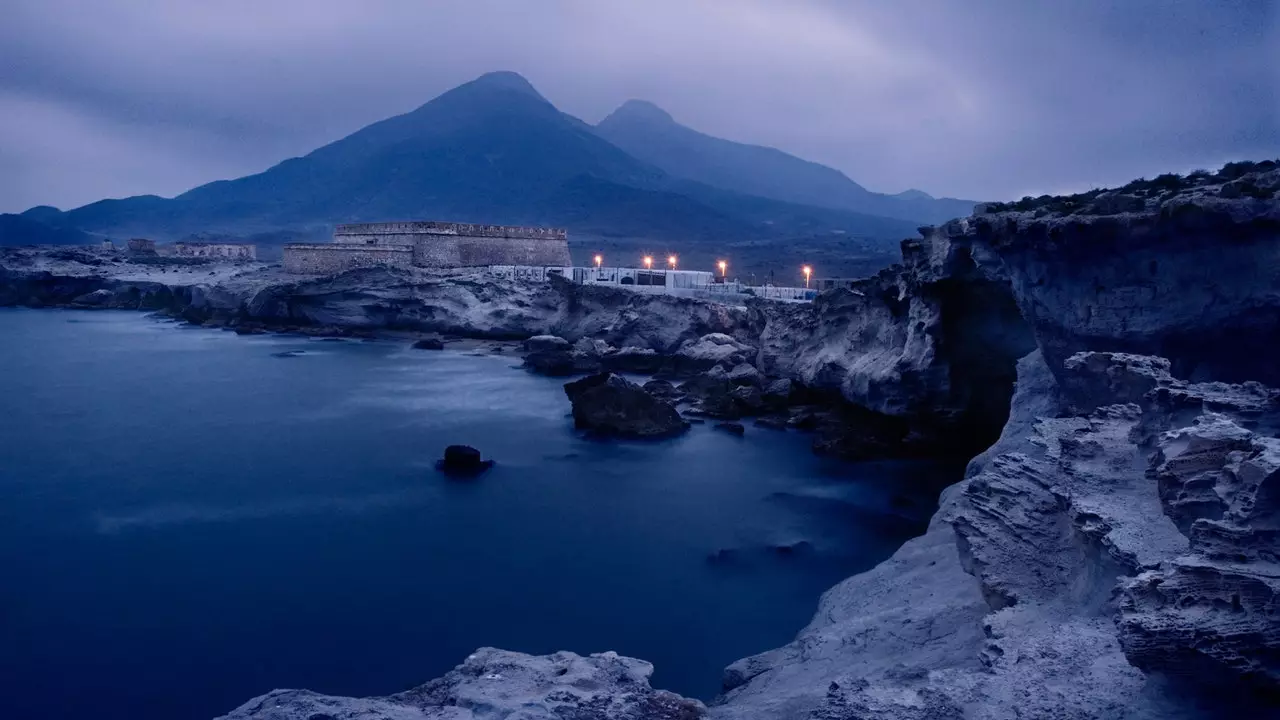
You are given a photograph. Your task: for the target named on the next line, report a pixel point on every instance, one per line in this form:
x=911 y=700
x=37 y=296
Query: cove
x=189 y=518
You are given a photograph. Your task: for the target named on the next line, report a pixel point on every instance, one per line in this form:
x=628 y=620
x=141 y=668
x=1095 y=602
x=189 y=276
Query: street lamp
x=648 y=262
x=724 y=268
x=671 y=260
x=599 y=259
x=807 y=272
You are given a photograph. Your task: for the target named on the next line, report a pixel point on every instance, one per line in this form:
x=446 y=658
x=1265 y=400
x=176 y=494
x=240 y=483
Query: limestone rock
x=745 y=374
x=710 y=350
x=498 y=684
x=544 y=343
x=610 y=405
x=429 y=343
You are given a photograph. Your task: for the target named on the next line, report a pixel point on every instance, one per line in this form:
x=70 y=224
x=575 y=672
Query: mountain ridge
x=652 y=134
x=491 y=150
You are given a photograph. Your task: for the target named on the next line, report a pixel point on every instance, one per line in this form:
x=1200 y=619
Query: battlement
x=433 y=227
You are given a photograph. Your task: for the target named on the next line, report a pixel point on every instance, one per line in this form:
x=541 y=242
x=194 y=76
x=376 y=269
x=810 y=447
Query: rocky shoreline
x=1114 y=553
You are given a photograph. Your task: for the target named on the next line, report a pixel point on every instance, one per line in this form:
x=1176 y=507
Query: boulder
x=543 y=343
x=429 y=343
x=748 y=398
x=710 y=350
x=592 y=347
x=772 y=422
x=610 y=405
x=97 y=297
x=778 y=393
x=661 y=389
x=462 y=461
x=745 y=374
x=633 y=359
x=732 y=428
x=560 y=363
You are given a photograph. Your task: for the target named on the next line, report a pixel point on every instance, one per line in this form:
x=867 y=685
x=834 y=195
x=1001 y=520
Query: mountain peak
x=505 y=80
x=640 y=111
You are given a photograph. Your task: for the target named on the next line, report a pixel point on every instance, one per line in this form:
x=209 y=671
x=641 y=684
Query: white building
x=688 y=283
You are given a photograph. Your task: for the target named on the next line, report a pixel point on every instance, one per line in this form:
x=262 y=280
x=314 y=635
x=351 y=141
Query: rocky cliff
x=1112 y=555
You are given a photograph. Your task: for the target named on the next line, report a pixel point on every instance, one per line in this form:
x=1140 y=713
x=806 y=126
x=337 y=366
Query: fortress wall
x=327 y=259
x=478 y=251
x=447 y=245
x=449 y=228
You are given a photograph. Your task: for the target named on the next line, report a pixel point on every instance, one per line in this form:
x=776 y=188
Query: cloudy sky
x=980 y=99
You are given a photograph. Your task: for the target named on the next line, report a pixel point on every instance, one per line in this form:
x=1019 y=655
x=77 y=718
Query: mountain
x=492 y=150
x=651 y=134
x=25 y=229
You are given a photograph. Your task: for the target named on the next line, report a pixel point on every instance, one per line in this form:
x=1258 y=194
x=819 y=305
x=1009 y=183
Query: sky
x=980 y=99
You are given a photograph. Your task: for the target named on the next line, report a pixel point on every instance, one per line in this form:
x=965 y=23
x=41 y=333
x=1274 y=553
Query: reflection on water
x=188 y=519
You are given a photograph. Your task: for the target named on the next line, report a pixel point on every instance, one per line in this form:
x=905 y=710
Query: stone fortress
x=429 y=244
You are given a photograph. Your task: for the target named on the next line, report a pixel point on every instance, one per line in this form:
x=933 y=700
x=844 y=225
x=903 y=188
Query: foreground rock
x=610 y=405
x=499 y=684
x=462 y=461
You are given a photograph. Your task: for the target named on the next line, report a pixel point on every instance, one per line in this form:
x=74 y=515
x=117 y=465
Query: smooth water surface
x=189 y=519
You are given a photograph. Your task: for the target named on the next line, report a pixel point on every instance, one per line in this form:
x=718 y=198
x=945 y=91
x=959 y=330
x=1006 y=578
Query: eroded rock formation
x=1112 y=555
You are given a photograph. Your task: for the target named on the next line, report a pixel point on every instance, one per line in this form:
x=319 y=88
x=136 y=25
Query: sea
x=190 y=518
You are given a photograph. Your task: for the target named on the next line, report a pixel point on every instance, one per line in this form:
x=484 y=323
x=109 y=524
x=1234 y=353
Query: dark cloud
x=990 y=99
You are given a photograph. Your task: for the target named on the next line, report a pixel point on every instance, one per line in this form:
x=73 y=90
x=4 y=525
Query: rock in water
x=462 y=461
x=429 y=343
x=498 y=684
x=544 y=343
x=613 y=406
x=732 y=428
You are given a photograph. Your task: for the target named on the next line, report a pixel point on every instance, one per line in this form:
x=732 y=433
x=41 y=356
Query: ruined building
x=219 y=251
x=429 y=244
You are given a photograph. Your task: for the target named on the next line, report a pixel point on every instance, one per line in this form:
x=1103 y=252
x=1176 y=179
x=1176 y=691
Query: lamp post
x=807 y=272
x=599 y=259
x=648 y=262
x=724 y=269
x=671 y=260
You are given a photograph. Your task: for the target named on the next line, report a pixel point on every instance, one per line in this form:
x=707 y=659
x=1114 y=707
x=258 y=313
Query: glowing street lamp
x=648 y=262
x=807 y=272
x=724 y=268
x=599 y=259
x=671 y=260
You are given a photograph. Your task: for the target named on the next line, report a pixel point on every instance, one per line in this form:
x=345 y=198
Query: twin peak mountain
x=494 y=150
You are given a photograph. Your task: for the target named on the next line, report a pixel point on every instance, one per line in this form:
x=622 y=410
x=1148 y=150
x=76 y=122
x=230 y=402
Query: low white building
x=689 y=283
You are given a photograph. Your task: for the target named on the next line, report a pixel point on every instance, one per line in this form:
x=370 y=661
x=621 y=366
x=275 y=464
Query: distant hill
x=492 y=150
x=25 y=230
x=650 y=134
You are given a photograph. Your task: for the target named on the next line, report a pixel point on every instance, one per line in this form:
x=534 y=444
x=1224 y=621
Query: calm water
x=188 y=520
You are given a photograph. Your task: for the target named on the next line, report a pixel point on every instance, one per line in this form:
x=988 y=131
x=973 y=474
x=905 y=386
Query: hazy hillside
x=649 y=133
x=492 y=150
x=25 y=230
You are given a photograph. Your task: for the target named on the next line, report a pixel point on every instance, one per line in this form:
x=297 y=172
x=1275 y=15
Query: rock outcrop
x=1113 y=553
x=610 y=405
x=499 y=684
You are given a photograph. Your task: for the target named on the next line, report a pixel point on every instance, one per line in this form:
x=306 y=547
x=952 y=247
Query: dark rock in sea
x=732 y=428
x=804 y=418
x=250 y=330
x=722 y=556
x=462 y=461
x=748 y=398
x=772 y=422
x=793 y=548
x=560 y=363
x=610 y=405
x=429 y=343
x=661 y=389
x=288 y=353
